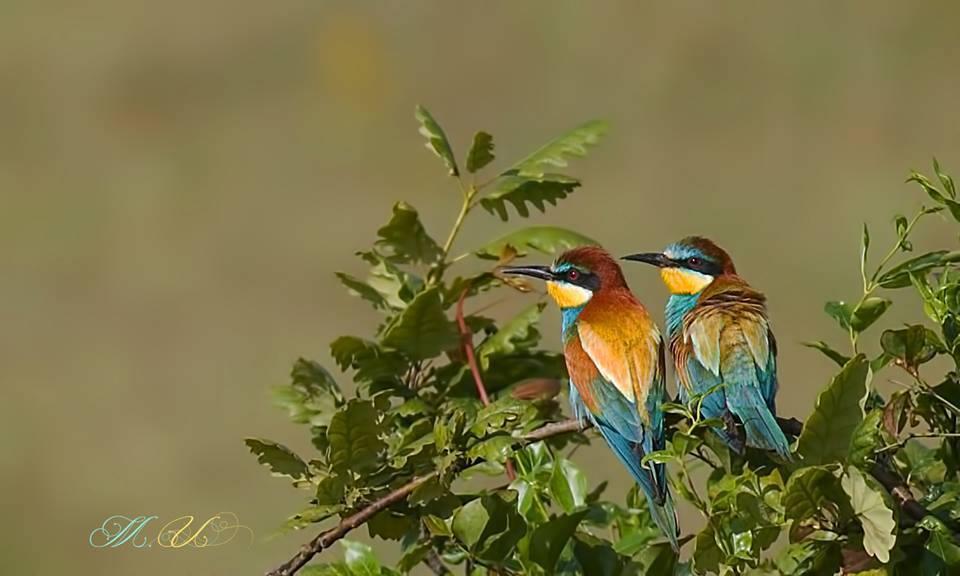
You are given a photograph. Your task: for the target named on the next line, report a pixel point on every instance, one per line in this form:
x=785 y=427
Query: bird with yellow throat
x=722 y=345
x=615 y=360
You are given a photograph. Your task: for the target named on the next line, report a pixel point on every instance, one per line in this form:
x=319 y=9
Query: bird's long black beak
x=541 y=272
x=655 y=258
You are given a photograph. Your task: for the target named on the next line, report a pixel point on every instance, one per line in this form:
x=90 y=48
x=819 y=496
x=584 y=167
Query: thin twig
x=466 y=337
x=435 y=564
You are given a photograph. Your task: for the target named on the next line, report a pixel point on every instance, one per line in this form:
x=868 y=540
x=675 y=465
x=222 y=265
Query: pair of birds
x=719 y=338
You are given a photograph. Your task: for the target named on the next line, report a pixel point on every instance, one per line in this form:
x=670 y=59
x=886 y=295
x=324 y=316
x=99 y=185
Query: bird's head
x=690 y=265
x=576 y=275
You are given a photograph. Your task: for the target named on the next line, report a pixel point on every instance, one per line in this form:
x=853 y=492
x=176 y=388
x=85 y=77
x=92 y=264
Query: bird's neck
x=568 y=319
x=677 y=307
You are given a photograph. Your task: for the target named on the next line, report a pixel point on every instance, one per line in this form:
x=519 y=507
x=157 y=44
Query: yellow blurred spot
x=351 y=61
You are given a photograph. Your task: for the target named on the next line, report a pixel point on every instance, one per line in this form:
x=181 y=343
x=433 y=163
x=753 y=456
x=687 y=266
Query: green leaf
x=568 y=485
x=519 y=331
x=312 y=397
x=864 y=246
x=945 y=180
x=839 y=311
x=866 y=439
x=867 y=312
x=395 y=285
x=522 y=190
x=826 y=434
x=924 y=465
x=707 y=554
x=422 y=331
x=360 y=288
x=360 y=559
x=504 y=531
x=914 y=345
x=857 y=318
x=867 y=499
x=391 y=525
x=330 y=491
x=404 y=239
x=436 y=140
x=899 y=275
x=371 y=362
x=353 y=436
x=807 y=490
x=310 y=516
x=941 y=544
x=503 y=414
x=469 y=522
x=797 y=558
x=494 y=449
x=596 y=557
x=657 y=560
x=481 y=152
x=549 y=539
x=278 y=458
x=556 y=152
x=544 y=239
x=829 y=352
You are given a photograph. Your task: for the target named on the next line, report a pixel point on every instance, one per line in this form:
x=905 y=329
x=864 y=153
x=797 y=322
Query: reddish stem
x=466 y=337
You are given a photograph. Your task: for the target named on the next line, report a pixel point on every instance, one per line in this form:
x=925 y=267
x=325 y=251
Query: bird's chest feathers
x=681 y=281
x=568 y=295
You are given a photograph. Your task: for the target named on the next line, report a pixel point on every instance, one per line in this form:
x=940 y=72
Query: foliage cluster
x=488 y=502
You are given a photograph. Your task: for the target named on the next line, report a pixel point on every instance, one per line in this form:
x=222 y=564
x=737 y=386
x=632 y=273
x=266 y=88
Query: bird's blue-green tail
x=651 y=477
x=746 y=401
x=665 y=517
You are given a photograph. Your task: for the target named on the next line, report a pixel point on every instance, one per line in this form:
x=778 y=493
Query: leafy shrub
x=446 y=398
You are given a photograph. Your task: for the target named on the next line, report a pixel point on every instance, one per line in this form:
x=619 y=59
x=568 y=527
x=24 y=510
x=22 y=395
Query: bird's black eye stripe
x=580 y=277
x=702 y=265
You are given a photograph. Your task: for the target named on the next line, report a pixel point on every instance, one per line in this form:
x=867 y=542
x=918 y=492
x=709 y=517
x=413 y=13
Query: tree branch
x=327 y=538
x=791 y=426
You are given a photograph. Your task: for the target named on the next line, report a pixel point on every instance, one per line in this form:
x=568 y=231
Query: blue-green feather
x=745 y=399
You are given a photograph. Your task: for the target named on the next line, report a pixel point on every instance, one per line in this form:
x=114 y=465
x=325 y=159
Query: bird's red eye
x=573 y=274
x=695 y=261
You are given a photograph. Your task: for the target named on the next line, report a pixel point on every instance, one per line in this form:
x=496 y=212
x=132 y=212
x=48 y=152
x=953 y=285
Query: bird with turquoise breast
x=616 y=363
x=724 y=352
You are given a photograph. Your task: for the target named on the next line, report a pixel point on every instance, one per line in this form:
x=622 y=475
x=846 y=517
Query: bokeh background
x=181 y=179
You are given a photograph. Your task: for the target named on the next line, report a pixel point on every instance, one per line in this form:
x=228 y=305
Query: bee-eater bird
x=721 y=340
x=615 y=360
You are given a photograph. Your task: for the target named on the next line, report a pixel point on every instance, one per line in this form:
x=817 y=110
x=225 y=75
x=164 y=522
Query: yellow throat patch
x=568 y=295
x=680 y=281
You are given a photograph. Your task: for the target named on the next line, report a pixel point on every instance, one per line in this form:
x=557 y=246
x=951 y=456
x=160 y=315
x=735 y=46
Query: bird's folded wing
x=627 y=355
x=729 y=315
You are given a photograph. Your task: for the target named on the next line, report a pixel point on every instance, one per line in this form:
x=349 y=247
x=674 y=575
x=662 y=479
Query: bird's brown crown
x=712 y=251
x=598 y=261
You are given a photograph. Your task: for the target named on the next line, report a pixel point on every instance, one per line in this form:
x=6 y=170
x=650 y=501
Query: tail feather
x=746 y=401
x=665 y=517
x=761 y=426
x=652 y=480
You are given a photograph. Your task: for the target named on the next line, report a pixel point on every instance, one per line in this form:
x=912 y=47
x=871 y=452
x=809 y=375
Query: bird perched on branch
x=615 y=359
x=721 y=342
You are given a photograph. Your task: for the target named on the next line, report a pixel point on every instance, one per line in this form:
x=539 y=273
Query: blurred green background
x=181 y=180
